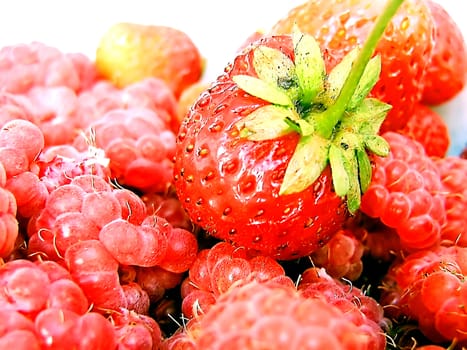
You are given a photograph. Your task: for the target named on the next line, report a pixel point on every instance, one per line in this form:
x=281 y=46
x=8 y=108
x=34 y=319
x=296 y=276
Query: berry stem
x=328 y=120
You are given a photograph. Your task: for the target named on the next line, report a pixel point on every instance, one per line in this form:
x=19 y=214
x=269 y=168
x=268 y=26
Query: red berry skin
x=429 y=287
x=9 y=227
x=53 y=326
x=453 y=172
x=220 y=268
x=405 y=47
x=25 y=66
x=230 y=185
x=134 y=245
x=93 y=331
x=24 y=135
x=429 y=128
x=138 y=143
x=96 y=272
x=156 y=280
x=54 y=271
x=446 y=74
x=137 y=298
x=136 y=331
x=24 y=287
x=20 y=340
x=318 y=284
x=13 y=320
x=30 y=193
x=181 y=250
x=17 y=331
x=66 y=294
x=60 y=164
x=405 y=193
x=341 y=256
x=254 y=315
x=85 y=69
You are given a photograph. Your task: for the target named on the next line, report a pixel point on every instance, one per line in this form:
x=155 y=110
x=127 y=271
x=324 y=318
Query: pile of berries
x=142 y=207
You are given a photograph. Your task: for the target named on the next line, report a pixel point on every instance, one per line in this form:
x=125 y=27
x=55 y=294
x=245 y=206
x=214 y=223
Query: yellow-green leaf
x=262 y=89
x=377 y=144
x=266 y=123
x=364 y=170
x=277 y=69
x=306 y=165
x=309 y=65
x=340 y=178
x=339 y=73
x=367 y=82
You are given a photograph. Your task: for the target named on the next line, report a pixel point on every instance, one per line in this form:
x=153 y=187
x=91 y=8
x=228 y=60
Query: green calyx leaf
x=339 y=74
x=276 y=69
x=306 y=165
x=340 y=176
x=266 y=123
x=263 y=90
x=344 y=161
x=377 y=145
x=367 y=82
x=366 y=119
x=364 y=170
x=356 y=136
x=283 y=83
x=345 y=174
x=338 y=124
x=310 y=68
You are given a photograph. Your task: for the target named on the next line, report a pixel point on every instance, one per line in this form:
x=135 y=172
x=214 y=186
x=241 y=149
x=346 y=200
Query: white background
x=216 y=27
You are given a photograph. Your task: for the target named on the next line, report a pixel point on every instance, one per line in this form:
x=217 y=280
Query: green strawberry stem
x=328 y=120
x=337 y=123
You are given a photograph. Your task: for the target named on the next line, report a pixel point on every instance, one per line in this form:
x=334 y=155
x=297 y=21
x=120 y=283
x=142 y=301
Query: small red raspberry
x=406 y=193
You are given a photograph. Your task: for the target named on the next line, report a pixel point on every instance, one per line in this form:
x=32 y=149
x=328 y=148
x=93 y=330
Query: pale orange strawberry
x=188 y=97
x=129 y=52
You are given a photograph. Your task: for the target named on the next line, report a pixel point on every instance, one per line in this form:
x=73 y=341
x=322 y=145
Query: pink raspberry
x=406 y=193
x=253 y=315
x=138 y=143
x=453 y=172
x=25 y=66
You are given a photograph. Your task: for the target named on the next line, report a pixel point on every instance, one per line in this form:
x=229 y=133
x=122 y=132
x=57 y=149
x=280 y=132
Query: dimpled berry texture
x=227 y=183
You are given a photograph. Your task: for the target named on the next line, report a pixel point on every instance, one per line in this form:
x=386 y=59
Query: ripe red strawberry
x=430 y=129
x=446 y=73
x=266 y=158
x=405 y=47
x=256 y=35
